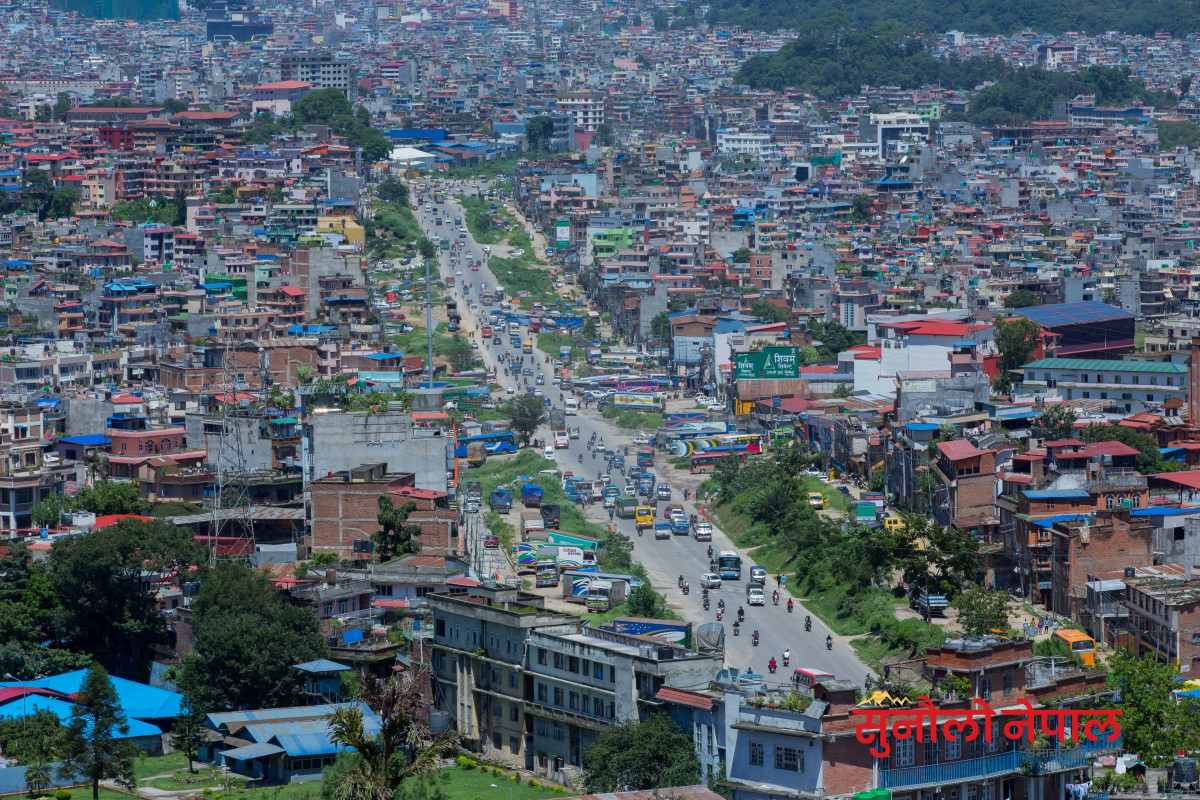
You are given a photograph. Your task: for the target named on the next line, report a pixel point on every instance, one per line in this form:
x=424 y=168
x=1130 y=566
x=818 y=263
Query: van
x=755 y=596
x=816 y=500
x=572 y=408
x=758 y=574
x=892 y=524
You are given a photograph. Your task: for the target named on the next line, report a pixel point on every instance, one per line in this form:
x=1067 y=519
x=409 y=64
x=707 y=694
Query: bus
x=721 y=443
x=637 y=384
x=729 y=565
x=706 y=462
x=493 y=444
x=805 y=678
x=1081 y=644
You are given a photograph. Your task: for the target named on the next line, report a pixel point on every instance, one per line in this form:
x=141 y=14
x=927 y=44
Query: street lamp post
x=510 y=791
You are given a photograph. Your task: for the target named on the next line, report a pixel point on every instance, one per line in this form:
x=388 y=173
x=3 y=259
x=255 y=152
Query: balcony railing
x=1029 y=762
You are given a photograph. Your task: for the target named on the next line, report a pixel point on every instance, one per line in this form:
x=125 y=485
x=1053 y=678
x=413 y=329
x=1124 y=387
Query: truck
x=545 y=572
x=564 y=353
x=678 y=632
x=493 y=426
x=662 y=530
x=531 y=495
x=550 y=514
x=680 y=525
x=626 y=506
x=605 y=595
x=500 y=500
x=611 y=495
x=865 y=513
x=876 y=498
x=930 y=605
x=710 y=638
x=645 y=484
x=532 y=525
x=645 y=456
x=565 y=557
x=704 y=531
x=755 y=594
x=558 y=419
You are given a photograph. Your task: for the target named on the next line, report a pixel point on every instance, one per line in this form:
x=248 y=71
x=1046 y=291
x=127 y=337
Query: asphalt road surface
x=665 y=560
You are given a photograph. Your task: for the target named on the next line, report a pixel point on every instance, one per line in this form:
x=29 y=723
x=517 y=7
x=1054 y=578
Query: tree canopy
x=247 y=639
x=93 y=745
x=528 y=412
x=1022 y=298
x=654 y=754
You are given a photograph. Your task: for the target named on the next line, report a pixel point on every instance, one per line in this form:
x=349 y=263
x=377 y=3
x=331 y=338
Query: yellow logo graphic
x=883 y=698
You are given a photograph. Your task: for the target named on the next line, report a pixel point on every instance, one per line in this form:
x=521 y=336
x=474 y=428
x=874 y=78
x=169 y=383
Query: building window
x=756 y=754
x=789 y=758
x=542 y=656
x=514 y=713
x=985 y=688
x=598 y=671
x=953 y=748
x=597 y=707
x=558 y=696
x=994 y=745
x=541 y=693
x=514 y=745
x=574 y=701
x=558 y=660
x=903 y=753
x=1007 y=683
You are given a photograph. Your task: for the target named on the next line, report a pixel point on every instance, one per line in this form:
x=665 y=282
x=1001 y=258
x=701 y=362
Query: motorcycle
x=710 y=552
x=786 y=659
x=771 y=666
x=706 y=604
x=789 y=606
x=775 y=598
x=756 y=638
x=735 y=629
x=679 y=583
x=719 y=615
x=828 y=642
x=741 y=615
x=686 y=588
x=721 y=604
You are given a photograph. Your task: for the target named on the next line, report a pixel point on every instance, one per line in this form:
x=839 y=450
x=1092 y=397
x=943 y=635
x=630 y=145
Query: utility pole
x=429 y=320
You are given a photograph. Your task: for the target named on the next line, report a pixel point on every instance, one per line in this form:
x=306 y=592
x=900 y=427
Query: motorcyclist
x=771 y=666
x=721 y=604
x=787 y=656
x=710 y=552
x=829 y=641
x=741 y=613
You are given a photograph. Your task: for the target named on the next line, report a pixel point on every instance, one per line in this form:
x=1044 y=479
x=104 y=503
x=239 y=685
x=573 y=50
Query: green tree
x=113 y=102
x=404 y=746
x=643 y=601
x=1016 y=341
x=1177 y=133
x=173 y=106
x=1185 y=85
x=61 y=106
x=538 y=131
x=98 y=578
x=427 y=249
x=604 y=133
x=459 y=351
x=660 y=327
x=589 y=331
x=1058 y=422
x=109 y=497
x=247 y=639
x=1153 y=724
x=741 y=255
x=38 y=775
x=62 y=203
x=655 y=754
x=528 y=413
x=391 y=190
x=188 y=731
x=861 y=211
x=982 y=611
x=93 y=747
x=842 y=390
x=322 y=107
x=36 y=737
x=768 y=311
x=395 y=536
x=1022 y=298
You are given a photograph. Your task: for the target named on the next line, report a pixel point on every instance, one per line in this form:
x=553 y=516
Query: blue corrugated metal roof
x=1049 y=523
x=1057 y=494
x=257 y=750
x=1156 y=511
x=219 y=718
x=31 y=704
x=921 y=426
x=307 y=744
x=87 y=440
x=137 y=700
x=321 y=665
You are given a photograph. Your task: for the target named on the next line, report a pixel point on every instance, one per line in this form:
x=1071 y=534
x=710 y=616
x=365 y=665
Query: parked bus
x=805 y=678
x=1081 y=644
x=729 y=565
x=706 y=462
x=493 y=444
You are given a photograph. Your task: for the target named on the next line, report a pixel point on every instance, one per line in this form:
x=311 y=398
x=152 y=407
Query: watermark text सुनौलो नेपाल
x=1022 y=722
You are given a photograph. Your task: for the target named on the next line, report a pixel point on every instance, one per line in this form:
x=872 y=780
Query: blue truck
x=680 y=525
x=500 y=500
x=531 y=495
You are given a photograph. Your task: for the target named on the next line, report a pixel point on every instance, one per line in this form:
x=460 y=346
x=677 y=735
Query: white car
x=511 y=390
x=641 y=439
x=517 y=253
x=710 y=580
x=548 y=453
x=716 y=408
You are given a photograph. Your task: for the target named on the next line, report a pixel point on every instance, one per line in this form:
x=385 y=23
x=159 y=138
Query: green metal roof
x=1099 y=364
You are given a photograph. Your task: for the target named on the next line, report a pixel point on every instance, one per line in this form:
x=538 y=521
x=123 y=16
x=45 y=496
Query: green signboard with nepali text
x=770 y=363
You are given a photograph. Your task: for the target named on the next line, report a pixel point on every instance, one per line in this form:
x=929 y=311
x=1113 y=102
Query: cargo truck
x=531 y=495
x=605 y=595
x=500 y=500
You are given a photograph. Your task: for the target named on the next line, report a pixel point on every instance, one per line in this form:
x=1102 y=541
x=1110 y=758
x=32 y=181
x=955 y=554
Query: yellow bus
x=644 y=517
x=1081 y=644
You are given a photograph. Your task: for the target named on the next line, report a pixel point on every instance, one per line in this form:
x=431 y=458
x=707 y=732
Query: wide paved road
x=665 y=560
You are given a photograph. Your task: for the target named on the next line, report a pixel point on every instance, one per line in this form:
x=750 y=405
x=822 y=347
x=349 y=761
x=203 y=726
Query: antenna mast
x=230 y=506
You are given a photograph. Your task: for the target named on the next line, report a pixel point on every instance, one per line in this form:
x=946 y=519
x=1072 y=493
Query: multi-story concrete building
x=321 y=69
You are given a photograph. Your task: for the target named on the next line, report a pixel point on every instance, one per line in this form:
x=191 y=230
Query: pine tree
x=93 y=750
x=187 y=732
